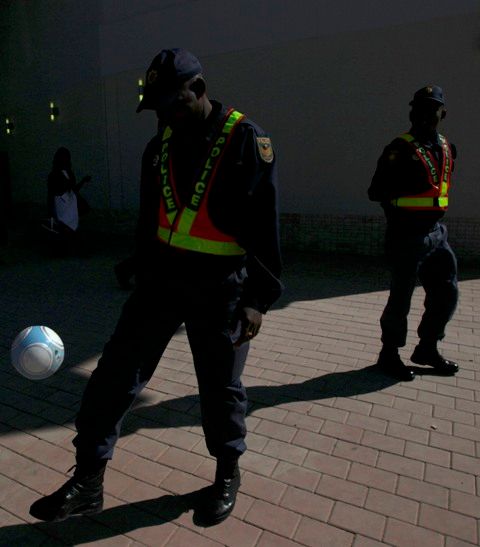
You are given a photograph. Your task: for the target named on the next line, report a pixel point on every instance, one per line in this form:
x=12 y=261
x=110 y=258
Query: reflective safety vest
x=189 y=226
x=436 y=197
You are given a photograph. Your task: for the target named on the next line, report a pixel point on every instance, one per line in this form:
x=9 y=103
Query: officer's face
x=184 y=106
x=427 y=115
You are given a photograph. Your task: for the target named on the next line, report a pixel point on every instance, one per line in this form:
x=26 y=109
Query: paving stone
x=402 y=533
x=358 y=520
x=310 y=532
x=392 y=505
x=343 y=490
x=449 y=523
x=271 y=517
x=373 y=476
x=450 y=478
x=335 y=451
x=307 y=503
x=296 y=475
x=423 y=491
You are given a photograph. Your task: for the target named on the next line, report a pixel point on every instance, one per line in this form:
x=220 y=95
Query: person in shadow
x=412 y=183
x=64 y=203
x=208 y=257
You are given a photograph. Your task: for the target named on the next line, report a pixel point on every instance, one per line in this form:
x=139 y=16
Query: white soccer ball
x=37 y=352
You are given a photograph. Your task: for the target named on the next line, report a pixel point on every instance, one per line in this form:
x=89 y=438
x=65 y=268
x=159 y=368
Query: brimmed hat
x=168 y=70
x=428 y=93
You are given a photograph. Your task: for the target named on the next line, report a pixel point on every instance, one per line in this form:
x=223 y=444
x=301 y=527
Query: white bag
x=66 y=209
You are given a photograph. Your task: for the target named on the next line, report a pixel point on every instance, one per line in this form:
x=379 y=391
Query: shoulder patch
x=265 y=149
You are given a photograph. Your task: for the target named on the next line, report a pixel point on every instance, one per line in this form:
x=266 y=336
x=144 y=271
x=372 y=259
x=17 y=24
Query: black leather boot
x=80 y=495
x=429 y=355
x=390 y=362
x=221 y=496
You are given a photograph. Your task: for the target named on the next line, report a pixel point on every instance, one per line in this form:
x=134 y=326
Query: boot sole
x=90 y=509
x=438 y=370
x=206 y=522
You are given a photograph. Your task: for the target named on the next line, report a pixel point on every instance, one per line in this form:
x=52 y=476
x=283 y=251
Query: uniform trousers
x=430 y=259
x=208 y=307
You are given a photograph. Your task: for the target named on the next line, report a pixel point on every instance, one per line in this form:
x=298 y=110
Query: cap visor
x=158 y=102
x=426 y=100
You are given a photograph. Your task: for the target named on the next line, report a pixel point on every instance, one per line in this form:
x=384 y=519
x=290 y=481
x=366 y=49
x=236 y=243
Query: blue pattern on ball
x=37 y=352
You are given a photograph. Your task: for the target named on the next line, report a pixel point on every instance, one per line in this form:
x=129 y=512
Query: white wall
x=329 y=79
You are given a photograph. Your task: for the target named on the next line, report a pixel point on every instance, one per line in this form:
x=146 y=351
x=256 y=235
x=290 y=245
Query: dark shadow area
x=184 y=411
x=180 y=412
x=109 y=523
x=313 y=276
x=78 y=297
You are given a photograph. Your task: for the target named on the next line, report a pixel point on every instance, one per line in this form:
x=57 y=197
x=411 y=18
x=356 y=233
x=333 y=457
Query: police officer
x=412 y=183
x=208 y=257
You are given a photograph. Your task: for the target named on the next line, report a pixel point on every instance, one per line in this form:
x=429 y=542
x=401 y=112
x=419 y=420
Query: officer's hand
x=250 y=325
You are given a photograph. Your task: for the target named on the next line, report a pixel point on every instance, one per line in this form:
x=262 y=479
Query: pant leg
x=128 y=361
x=438 y=275
x=212 y=330
x=404 y=255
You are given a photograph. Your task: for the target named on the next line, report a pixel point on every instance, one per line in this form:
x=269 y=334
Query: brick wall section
x=348 y=234
x=363 y=234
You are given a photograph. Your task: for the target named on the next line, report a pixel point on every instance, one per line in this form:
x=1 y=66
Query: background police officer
x=412 y=183
x=207 y=257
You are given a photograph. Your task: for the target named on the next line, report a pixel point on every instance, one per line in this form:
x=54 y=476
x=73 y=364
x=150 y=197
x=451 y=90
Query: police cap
x=168 y=70
x=428 y=93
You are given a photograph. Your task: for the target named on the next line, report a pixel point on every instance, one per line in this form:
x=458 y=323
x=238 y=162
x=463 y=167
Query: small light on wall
x=54 y=112
x=140 y=90
x=9 y=126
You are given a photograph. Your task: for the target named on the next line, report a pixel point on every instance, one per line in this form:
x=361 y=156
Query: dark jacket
x=242 y=203
x=400 y=173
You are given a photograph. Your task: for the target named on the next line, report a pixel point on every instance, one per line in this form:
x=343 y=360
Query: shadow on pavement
x=79 y=299
x=111 y=522
x=129 y=517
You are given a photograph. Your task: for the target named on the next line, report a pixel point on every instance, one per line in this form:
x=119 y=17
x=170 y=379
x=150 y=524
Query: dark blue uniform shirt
x=401 y=173
x=242 y=203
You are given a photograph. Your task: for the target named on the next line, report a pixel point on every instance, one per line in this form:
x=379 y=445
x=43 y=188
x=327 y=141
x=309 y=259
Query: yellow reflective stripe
x=171 y=216
x=231 y=121
x=424 y=156
x=446 y=166
x=187 y=217
x=407 y=137
x=167 y=191
x=167 y=133
x=186 y=220
x=198 y=244
x=443 y=202
x=420 y=202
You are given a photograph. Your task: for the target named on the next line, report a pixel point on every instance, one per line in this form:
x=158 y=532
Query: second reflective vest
x=188 y=226
x=439 y=176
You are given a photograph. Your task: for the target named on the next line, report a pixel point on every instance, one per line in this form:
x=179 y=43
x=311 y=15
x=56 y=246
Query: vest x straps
x=189 y=227
x=436 y=198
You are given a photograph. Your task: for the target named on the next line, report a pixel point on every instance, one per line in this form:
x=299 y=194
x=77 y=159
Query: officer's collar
x=214 y=120
x=209 y=127
x=430 y=137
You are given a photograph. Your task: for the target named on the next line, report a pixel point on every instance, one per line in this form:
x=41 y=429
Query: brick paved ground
x=339 y=454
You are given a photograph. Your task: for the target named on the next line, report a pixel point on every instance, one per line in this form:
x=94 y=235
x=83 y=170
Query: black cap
x=169 y=69
x=428 y=93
